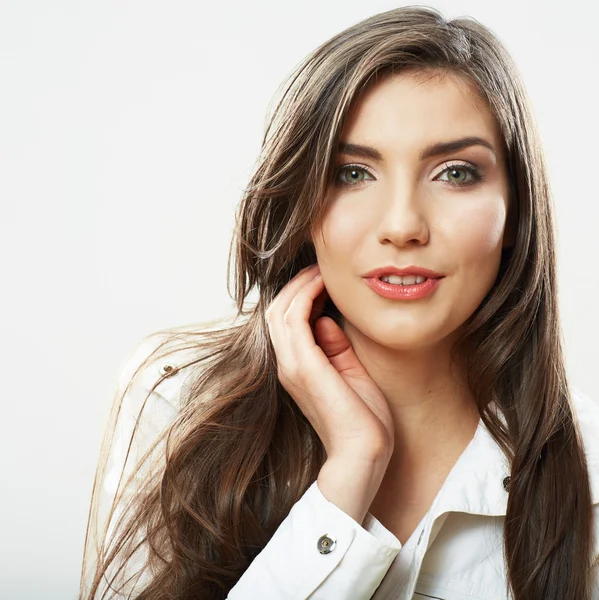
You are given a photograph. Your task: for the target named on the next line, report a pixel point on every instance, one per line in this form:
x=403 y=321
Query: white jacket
x=319 y=552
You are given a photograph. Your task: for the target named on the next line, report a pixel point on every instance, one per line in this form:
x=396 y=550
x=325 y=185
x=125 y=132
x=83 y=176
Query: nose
x=403 y=220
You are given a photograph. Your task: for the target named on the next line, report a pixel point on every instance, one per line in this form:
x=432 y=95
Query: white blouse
x=320 y=553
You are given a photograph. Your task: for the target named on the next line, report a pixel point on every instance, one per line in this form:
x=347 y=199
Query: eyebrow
x=430 y=151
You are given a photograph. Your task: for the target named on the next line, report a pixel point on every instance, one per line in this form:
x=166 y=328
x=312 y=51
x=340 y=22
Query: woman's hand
x=323 y=375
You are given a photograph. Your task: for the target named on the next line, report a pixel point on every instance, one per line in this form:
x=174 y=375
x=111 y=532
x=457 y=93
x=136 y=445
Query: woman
x=392 y=419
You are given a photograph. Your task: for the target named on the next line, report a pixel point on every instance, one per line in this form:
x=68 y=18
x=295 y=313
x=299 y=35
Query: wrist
x=352 y=483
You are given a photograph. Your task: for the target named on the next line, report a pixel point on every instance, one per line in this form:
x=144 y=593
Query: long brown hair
x=240 y=453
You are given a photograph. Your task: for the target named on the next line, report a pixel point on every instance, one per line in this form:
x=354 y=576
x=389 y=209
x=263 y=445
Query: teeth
x=404 y=280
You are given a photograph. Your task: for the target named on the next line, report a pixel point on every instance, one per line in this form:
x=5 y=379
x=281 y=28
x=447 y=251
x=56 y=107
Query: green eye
x=355 y=175
x=454 y=174
x=459 y=175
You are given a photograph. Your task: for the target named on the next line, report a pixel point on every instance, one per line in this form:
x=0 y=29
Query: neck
x=435 y=417
x=433 y=410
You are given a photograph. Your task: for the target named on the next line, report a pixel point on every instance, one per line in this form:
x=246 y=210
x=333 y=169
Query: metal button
x=506 y=483
x=326 y=543
x=168 y=370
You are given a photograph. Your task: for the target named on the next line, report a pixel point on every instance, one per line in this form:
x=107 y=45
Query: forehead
x=406 y=111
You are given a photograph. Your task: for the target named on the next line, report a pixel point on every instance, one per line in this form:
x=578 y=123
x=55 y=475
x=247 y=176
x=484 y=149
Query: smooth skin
x=393 y=412
x=346 y=408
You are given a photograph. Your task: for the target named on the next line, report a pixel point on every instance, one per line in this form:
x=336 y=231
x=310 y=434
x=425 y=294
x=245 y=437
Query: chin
x=401 y=336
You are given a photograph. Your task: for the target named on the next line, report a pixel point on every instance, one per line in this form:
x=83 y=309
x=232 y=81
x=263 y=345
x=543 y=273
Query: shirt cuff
x=389 y=544
x=319 y=552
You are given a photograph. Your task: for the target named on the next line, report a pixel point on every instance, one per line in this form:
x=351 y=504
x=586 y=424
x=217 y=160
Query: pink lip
x=402 y=292
x=411 y=270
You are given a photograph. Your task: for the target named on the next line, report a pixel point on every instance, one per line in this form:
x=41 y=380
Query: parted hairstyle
x=240 y=452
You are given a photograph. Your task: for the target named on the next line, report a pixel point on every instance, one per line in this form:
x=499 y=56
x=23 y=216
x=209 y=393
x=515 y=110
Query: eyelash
x=474 y=172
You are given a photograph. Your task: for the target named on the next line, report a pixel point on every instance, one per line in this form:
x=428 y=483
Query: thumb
x=336 y=346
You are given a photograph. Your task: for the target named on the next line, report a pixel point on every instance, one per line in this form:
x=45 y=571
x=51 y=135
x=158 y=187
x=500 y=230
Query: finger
x=336 y=346
x=300 y=338
x=327 y=340
x=282 y=300
x=318 y=307
x=276 y=311
x=310 y=362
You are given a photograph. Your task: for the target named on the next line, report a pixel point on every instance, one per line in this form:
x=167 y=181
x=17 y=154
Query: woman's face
x=407 y=208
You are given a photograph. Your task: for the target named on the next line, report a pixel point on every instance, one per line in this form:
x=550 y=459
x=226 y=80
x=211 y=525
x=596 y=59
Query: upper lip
x=411 y=270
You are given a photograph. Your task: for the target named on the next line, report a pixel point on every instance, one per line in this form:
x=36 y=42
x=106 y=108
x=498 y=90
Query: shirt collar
x=476 y=484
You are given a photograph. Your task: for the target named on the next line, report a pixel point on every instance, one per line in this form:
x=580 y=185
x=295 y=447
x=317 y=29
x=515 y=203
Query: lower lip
x=402 y=292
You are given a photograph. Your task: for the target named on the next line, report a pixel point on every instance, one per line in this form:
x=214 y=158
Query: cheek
x=477 y=240
x=343 y=231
